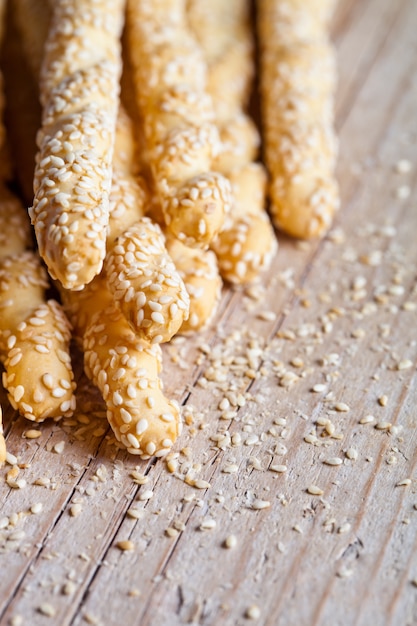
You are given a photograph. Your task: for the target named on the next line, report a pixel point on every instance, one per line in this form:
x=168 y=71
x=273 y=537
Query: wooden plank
x=345 y=313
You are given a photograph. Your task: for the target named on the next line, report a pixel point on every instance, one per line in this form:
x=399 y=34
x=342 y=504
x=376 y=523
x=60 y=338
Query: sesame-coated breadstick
x=34 y=332
x=79 y=87
x=246 y=245
x=139 y=271
x=197 y=267
x=298 y=78
x=180 y=136
x=126 y=369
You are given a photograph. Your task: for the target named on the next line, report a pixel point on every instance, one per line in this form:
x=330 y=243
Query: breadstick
x=139 y=270
x=126 y=370
x=297 y=83
x=180 y=137
x=34 y=333
x=247 y=244
x=79 y=89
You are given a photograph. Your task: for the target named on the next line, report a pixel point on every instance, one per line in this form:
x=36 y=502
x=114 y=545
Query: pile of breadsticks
x=147 y=189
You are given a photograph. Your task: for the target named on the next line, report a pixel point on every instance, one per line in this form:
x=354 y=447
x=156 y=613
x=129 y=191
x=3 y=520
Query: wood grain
x=340 y=313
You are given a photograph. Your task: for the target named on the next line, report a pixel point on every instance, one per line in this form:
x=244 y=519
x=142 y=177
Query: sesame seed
x=32 y=434
x=47 y=609
x=230 y=542
x=279 y=469
x=208 y=524
x=267 y=316
x=403 y=166
x=146 y=495
x=68 y=588
x=342 y=407
x=125 y=545
x=11 y=459
x=404 y=483
x=253 y=612
x=403 y=192
x=36 y=508
x=314 y=490
x=344 y=572
x=75 y=509
x=344 y=528
x=352 y=454
x=134 y=513
x=368 y=419
x=199 y=483
x=404 y=364
x=333 y=461
x=59 y=447
x=259 y=505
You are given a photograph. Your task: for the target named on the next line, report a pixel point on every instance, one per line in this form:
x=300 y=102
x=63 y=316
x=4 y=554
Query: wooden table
x=301 y=421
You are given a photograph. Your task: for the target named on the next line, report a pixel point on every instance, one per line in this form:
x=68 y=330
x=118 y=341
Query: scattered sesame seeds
x=383 y=400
